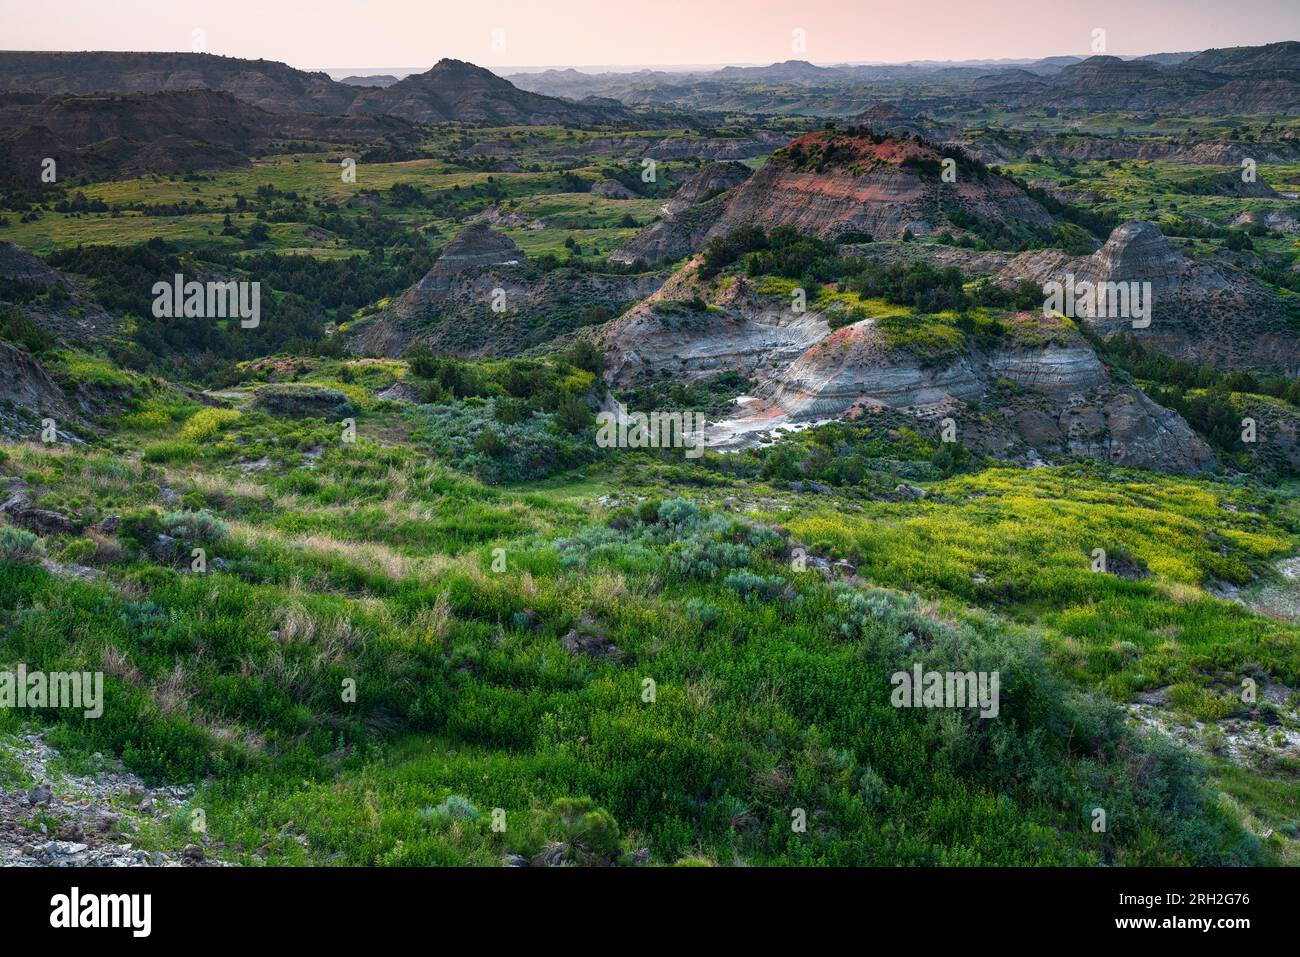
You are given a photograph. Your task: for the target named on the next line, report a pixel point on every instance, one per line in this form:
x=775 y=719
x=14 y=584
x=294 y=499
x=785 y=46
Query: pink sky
x=409 y=33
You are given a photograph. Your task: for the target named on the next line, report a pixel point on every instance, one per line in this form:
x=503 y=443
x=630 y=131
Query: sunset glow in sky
x=410 y=33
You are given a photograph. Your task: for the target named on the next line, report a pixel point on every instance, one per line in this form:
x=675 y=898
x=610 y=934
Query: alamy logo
x=82 y=690
x=134 y=911
x=946 y=689
x=1099 y=300
x=208 y=300
x=656 y=430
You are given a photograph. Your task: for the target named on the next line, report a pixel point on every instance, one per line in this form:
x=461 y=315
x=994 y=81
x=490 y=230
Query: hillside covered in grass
x=628 y=659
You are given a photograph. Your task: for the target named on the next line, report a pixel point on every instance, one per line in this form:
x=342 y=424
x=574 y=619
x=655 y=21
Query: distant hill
x=103 y=135
x=1252 y=80
x=1240 y=80
x=1168 y=59
x=273 y=86
x=381 y=80
x=790 y=70
x=452 y=91
x=1284 y=57
x=460 y=91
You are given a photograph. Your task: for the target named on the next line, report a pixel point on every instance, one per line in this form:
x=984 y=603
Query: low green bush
x=19 y=545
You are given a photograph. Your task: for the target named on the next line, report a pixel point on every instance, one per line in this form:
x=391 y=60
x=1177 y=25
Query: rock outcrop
x=878 y=116
x=1139 y=251
x=1201 y=311
x=1039 y=390
x=1230 y=183
x=84 y=820
x=672 y=237
x=538 y=307
x=1282 y=220
x=673 y=335
x=66 y=311
x=474 y=247
x=828 y=183
x=709 y=181
x=1204 y=153
x=1061 y=398
x=17 y=265
x=28 y=395
x=612 y=189
x=889 y=119
x=451 y=309
x=688 y=216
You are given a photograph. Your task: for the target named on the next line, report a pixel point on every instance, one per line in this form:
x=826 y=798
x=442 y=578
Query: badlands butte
x=1039 y=387
x=363 y=576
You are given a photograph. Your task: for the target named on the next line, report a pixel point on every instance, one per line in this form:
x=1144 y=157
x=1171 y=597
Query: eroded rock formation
x=1202 y=311
x=1039 y=390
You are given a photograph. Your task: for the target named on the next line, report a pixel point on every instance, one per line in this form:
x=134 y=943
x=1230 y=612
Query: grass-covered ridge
x=1025 y=541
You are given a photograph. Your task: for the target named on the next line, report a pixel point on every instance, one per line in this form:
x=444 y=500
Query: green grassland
x=190 y=211
x=454 y=608
x=1162 y=192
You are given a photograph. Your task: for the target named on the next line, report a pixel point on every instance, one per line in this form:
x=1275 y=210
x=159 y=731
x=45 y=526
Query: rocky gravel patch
x=1281 y=597
x=1257 y=738
x=49 y=818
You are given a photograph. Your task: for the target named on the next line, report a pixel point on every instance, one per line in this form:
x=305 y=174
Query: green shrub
x=511 y=411
x=19 y=545
x=680 y=513
x=590 y=831
x=78 y=550
x=530 y=449
x=207 y=423
x=172 y=452
x=1199 y=702
x=489 y=443
x=573 y=415
x=586 y=355
x=140 y=527
x=751 y=586
x=458 y=808
x=17 y=328
x=195 y=528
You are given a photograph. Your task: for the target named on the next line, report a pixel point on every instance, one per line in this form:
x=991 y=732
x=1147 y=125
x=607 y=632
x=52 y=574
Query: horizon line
x=677 y=67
